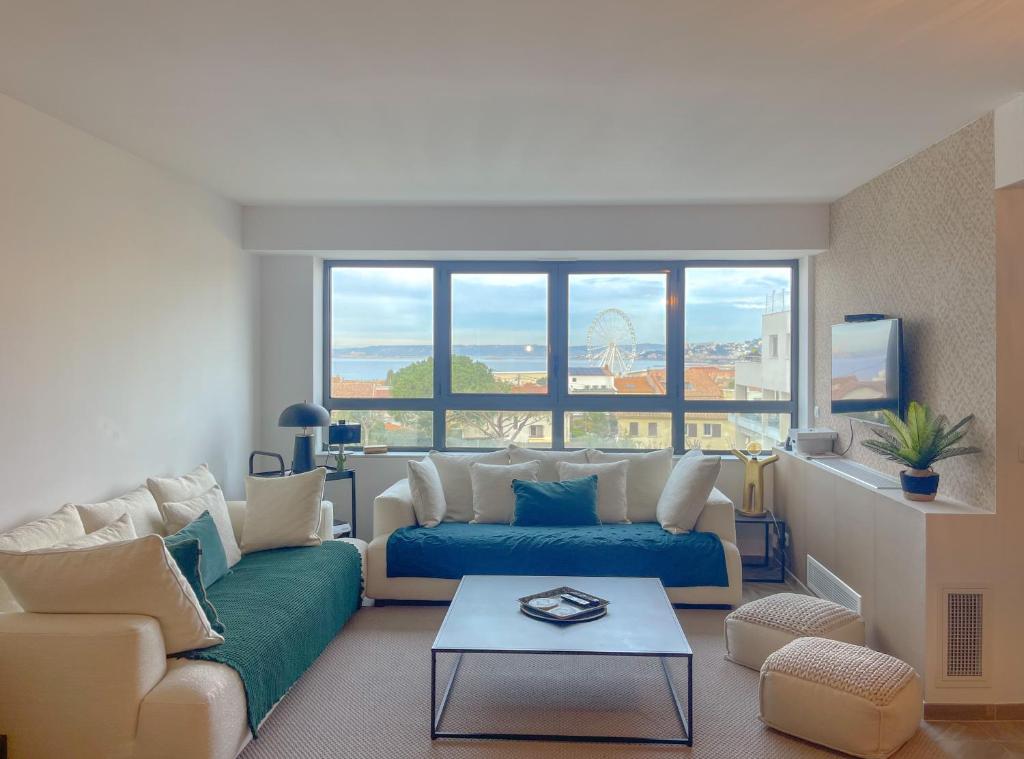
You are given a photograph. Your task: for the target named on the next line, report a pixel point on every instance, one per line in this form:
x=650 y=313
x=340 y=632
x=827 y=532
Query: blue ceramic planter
x=919 y=487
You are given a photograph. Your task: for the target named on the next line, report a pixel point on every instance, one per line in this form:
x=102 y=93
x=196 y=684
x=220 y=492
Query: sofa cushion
x=214 y=562
x=452 y=550
x=548 y=460
x=611 y=487
x=130 y=577
x=63 y=526
x=176 y=489
x=687 y=490
x=138 y=504
x=548 y=504
x=493 y=500
x=283 y=512
x=427 y=493
x=187 y=554
x=180 y=514
x=648 y=473
x=118 y=530
x=453 y=469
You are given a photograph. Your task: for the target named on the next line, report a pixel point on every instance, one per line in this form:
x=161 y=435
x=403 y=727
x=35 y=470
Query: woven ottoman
x=842 y=696
x=762 y=627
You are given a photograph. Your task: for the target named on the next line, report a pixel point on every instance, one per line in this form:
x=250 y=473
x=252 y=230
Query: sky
x=394 y=306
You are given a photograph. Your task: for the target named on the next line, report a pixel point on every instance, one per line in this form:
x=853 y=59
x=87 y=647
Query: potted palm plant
x=919 y=442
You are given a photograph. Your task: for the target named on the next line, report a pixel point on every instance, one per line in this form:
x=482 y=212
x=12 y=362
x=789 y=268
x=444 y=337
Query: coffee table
x=484 y=618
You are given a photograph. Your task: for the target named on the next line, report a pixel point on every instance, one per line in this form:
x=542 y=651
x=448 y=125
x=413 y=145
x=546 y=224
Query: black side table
x=333 y=475
x=769 y=565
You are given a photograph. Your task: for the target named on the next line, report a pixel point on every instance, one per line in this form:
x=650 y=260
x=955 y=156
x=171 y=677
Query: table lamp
x=341 y=435
x=304 y=415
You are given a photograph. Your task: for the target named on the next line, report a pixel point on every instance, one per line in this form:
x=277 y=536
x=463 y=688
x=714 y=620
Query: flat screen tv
x=868 y=369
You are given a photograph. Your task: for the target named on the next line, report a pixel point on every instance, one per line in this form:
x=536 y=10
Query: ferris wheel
x=611 y=341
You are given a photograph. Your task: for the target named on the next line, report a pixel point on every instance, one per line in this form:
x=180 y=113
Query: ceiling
x=516 y=101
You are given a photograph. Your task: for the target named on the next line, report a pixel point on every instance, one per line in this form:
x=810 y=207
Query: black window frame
x=558 y=401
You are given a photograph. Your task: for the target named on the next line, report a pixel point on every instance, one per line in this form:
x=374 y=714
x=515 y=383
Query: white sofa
x=393 y=509
x=100 y=685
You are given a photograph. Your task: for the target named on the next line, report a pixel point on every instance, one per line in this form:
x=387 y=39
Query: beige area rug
x=368 y=695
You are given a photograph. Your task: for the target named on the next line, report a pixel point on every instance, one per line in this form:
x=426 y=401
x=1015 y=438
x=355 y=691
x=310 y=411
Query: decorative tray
x=563 y=605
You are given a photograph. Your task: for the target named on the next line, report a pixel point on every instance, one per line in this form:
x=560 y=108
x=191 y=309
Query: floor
x=368 y=696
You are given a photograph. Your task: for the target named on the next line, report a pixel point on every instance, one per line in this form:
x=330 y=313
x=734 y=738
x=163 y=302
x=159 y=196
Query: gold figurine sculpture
x=753 y=479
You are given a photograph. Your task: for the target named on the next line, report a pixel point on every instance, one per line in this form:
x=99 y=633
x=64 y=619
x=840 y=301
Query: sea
x=378 y=368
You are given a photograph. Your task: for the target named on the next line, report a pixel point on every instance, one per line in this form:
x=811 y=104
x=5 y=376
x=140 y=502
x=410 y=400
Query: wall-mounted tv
x=868 y=368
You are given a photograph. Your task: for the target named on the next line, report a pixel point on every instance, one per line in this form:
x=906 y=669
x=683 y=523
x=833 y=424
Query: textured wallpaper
x=918 y=242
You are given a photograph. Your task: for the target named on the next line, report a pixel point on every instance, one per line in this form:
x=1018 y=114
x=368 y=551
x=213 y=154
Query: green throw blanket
x=280 y=609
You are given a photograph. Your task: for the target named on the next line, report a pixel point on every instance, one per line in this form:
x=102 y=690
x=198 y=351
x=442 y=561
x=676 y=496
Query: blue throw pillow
x=548 y=504
x=213 y=562
x=187 y=554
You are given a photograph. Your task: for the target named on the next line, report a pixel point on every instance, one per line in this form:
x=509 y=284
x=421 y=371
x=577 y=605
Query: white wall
x=127 y=337
x=760 y=229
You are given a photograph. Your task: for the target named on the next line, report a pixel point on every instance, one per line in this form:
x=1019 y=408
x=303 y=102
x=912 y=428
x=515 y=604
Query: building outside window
x=627 y=355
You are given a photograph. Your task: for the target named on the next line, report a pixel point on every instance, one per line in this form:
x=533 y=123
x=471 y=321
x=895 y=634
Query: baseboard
x=973 y=712
x=407 y=602
x=797 y=581
x=725 y=607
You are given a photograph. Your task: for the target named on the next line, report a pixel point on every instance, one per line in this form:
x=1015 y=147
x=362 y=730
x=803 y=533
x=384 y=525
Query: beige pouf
x=760 y=628
x=842 y=696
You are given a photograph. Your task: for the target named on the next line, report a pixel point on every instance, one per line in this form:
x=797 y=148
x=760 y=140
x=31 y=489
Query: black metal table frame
x=768 y=522
x=685 y=720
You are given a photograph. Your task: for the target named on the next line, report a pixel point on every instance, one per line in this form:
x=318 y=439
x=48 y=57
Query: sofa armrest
x=73 y=683
x=392 y=509
x=236 y=510
x=718 y=516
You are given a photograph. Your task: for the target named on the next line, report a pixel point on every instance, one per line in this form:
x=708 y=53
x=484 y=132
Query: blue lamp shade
x=344 y=434
x=304 y=415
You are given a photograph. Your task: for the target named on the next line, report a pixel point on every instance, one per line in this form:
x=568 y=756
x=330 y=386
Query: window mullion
x=674 y=354
x=442 y=350
x=558 y=345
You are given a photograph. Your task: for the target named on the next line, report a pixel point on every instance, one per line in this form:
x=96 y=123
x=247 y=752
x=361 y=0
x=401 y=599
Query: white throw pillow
x=177 y=489
x=118 y=530
x=453 y=469
x=131 y=577
x=62 y=526
x=687 y=490
x=427 y=493
x=281 y=512
x=180 y=514
x=611 y=487
x=139 y=505
x=548 y=460
x=648 y=473
x=493 y=499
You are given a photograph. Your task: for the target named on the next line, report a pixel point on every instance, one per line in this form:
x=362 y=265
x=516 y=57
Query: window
x=738 y=430
x=499 y=333
x=617 y=333
x=381 y=333
x=617 y=354
x=487 y=428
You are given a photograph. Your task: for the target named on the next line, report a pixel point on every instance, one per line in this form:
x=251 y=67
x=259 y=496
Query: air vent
x=964 y=649
x=826 y=584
